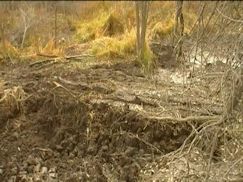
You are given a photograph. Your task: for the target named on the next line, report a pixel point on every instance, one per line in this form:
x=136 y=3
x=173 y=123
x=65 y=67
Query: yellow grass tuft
x=50 y=49
x=147 y=62
x=108 y=47
x=162 y=29
x=12 y=99
x=7 y=50
x=106 y=24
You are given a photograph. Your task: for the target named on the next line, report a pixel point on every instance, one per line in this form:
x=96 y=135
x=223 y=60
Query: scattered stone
x=30 y=169
x=14 y=170
x=52 y=170
x=53 y=175
x=130 y=151
x=59 y=148
x=104 y=148
x=37 y=179
x=71 y=155
x=44 y=170
x=37 y=168
x=31 y=160
x=15 y=135
x=12 y=179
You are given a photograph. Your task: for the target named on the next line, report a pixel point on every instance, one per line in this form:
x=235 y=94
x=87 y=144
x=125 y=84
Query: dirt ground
x=86 y=120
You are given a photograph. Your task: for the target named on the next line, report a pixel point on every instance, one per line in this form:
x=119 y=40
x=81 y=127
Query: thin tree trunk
x=141 y=19
x=179 y=27
x=143 y=27
x=138 y=29
x=24 y=35
x=55 y=33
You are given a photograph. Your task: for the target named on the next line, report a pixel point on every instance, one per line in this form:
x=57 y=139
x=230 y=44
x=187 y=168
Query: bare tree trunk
x=26 y=26
x=142 y=8
x=3 y=39
x=55 y=33
x=138 y=27
x=24 y=35
x=179 y=27
x=144 y=15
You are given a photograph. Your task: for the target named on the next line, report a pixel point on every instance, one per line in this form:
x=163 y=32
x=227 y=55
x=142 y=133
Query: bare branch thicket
x=28 y=18
x=215 y=30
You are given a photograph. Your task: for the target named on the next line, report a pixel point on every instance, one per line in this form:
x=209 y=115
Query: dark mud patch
x=73 y=140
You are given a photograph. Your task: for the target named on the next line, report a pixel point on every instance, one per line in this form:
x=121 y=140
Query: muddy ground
x=86 y=120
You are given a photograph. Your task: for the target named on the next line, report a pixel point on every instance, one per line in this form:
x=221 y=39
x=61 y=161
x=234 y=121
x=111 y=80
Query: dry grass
x=162 y=29
x=148 y=62
x=7 y=50
x=115 y=46
x=12 y=99
x=106 y=24
x=50 y=49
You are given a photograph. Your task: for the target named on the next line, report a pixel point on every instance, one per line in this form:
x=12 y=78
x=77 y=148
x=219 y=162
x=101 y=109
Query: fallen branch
x=78 y=56
x=60 y=86
x=188 y=101
x=134 y=100
x=187 y=119
x=55 y=58
x=81 y=84
x=143 y=141
x=46 y=55
x=42 y=62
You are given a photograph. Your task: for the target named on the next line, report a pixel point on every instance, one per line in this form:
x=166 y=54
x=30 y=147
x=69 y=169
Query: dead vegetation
x=80 y=107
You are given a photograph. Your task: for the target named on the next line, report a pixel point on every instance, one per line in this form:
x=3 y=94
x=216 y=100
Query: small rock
x=14 y=170
x=104 y=148
x=25 y=165
x=44 y=170
x=37 y=179
x=30 y=169
x=71 y=155
x=141 y=151
x=59 y=148
x=1 y=171
x=12 y=179
x=15 y=135
x=53 y=175
x=91 y=150
x=22 y=173
x=37 y=168
x=75 y=151
x=52 y=170
x=31 y=160
x=130 y=151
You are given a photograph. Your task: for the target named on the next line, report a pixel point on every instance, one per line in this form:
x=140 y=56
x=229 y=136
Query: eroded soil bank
x=80 y=121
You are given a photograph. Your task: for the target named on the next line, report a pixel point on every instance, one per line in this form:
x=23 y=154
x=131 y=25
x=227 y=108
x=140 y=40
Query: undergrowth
x=120 y=46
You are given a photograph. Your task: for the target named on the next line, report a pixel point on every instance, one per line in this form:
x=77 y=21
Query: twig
x=232 y=166
x=187 y=119
x=229 y=18
x=213 y=148
x=81 y=84
x=58 y=85
x=42 y=62
x=78 y=56
x=145 y=142
x=55 y=58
